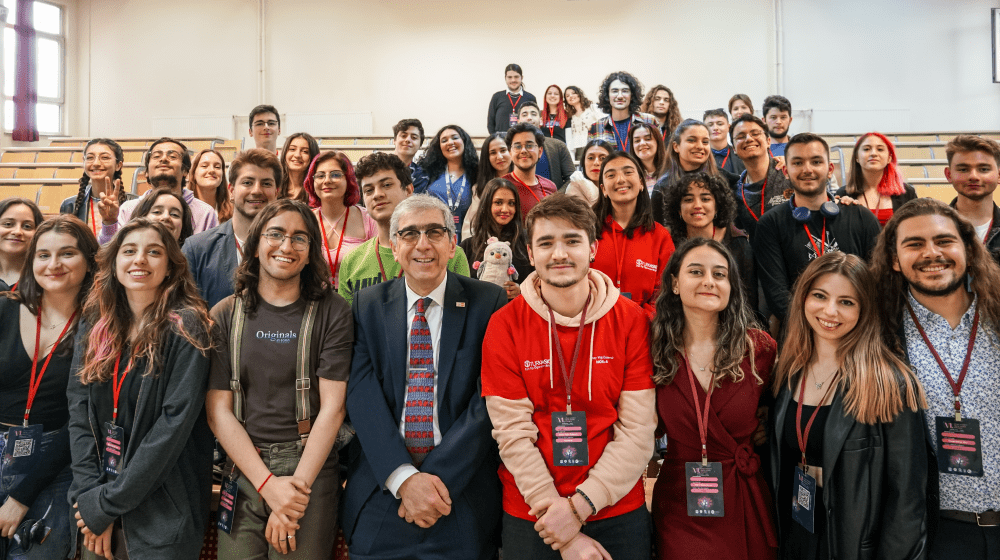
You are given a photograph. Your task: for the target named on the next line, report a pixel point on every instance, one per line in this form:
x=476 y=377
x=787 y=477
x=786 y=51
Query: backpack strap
x=235 y=342
x=303 y=367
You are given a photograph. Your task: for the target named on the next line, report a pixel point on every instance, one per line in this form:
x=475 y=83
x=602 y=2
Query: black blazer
x=874 y=482
x=466 y=459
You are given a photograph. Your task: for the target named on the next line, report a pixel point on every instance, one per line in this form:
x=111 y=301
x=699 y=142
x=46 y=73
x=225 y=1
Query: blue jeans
x=57 y=545
x=625 y=537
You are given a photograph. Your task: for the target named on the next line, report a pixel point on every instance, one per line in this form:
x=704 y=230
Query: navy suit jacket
x=211 y=256
x=466 y=459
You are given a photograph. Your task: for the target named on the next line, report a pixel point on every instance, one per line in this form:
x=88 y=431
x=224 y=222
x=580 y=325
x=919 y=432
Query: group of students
x=327 y=334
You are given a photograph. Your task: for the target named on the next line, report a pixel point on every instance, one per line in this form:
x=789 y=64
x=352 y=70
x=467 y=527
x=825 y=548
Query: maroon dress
x=747 y=532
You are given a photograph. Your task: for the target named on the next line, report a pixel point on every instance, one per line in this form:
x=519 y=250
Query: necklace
x=819 y=384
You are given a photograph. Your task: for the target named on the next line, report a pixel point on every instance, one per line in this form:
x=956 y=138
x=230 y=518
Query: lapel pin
x=459 y=304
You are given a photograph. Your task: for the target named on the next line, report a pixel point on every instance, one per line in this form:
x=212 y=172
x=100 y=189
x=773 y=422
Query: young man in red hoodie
x=567 y=379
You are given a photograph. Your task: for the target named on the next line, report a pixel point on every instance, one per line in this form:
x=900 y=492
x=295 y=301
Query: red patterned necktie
x=418 y=410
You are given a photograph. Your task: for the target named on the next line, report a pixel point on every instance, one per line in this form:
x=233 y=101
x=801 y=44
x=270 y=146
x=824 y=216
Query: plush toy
x=495 y=266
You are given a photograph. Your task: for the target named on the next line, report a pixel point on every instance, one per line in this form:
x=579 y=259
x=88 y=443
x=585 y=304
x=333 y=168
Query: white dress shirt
x=434 y=314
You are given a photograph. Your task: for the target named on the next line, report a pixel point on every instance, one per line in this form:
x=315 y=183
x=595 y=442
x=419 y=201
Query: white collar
x=437 y=294
x=520 y=91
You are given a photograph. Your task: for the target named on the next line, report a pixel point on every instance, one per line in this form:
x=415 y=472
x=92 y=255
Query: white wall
x=858 y=64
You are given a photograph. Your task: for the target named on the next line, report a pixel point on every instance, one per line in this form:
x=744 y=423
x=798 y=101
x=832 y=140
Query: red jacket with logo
x=635 y=265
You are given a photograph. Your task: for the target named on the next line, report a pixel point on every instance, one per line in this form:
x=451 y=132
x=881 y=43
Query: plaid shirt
x=604 y=129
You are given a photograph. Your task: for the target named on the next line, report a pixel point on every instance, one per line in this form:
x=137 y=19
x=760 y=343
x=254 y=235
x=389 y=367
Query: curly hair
x=223 y=205
x=734 y=338
x=147 y=202
x=584 y=101
x=434 y=163
x=673 y=111
x=314 y=278
x=383 y=161
x=635 y=91
x=286 y=179
x=642 y=217
x=113 y=327
x=85 y=179
x=352 y=195
x=725 y=202
x=982 y=272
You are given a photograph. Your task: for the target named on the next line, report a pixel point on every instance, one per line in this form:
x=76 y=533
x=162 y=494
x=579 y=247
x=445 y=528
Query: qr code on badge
x=805 y=498
x=22 y=448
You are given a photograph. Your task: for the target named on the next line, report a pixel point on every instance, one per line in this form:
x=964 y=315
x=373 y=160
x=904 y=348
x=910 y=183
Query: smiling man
x=265 y=127
x=938 y=289
x=761 y=185
x=973 y=172
x=567 y=379
x=385 y=182
x=554 y=162
x=422 y=480
x=718 y=135
x=789 y=237
x=408 y=136
x=167 y=165
x=213 y=255
x=620 y=98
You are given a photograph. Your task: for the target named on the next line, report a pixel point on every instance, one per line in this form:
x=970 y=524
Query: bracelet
x=576 y=514
x=269 y=475
x=589 y=503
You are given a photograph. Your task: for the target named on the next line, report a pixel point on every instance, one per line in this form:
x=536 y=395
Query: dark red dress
x=747 y=532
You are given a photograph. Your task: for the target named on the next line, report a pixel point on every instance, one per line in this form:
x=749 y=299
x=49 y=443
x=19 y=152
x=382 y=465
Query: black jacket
x=992 y=236
x=874 y=482
x=498 y=115
x=162 y=495
x=909 y=193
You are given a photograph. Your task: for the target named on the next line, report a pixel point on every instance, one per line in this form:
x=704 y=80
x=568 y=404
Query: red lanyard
x=335 y=263
x=725 y=159
x=956 y=387
x=568 y=375
x=378 y=256
x=526 y=187
x=34 y=383
x=702 y=419
x=93 y=221
x=743 y=193
x=116 y=385
x=622 y=144
x=513 y=104
x=619 y=261
x=804 y=437
x=822 y=239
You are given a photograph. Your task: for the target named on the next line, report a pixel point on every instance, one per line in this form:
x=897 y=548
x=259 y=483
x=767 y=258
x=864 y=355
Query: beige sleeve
x=469 y=214
x=516 y=435
x=624 y=459
x=574 y=189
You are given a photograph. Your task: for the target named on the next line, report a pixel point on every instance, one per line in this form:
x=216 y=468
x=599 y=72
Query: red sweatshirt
x=635 y=265
x=613 y=384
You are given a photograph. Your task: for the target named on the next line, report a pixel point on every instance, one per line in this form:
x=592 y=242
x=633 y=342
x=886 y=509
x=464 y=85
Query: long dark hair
x=187 y=219
x=29 y=293
x=983 y=273
x=673 y=118
x=434 y=163
x=584 y=102
x=734 y=338
x=643 y=215
x=659 y=158
x=314 y=278
x=486 y=227
x=486 y=171
x=223 y=206
x=870 y=375
x=286 y=179
x=107 y=310
x=674 y=168
x=85 y=179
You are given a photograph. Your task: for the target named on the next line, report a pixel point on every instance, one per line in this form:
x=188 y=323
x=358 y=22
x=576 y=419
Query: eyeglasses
x=411 y=236
x=172 y=155
x=530 y=146
x=262 y=124
x=334 y=176
x=104 y=158
x=276 y=239
x=756 y=135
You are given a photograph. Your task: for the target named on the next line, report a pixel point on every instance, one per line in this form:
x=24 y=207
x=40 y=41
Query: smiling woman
x=170 y=209
x=19 y=218
x=208 y=181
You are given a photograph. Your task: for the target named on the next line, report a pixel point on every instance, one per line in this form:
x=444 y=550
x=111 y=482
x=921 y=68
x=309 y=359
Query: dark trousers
x=625 y=537
x=957 y=540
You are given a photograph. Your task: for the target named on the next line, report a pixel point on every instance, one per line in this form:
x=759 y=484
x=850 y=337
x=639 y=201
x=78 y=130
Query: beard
x=565 y=282
x=783 y=137
x=164 y=180
x=946 y=290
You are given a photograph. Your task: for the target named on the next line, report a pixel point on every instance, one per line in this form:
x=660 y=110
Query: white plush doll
x=495 y=266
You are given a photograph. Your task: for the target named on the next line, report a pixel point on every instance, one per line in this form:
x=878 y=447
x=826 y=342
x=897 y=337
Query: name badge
x=112 y=458
x=569 y=439
x=804 y=500
x=22 y=449
x=959 y=446
x=227 y=504
x=704 y=489
x=513 y=119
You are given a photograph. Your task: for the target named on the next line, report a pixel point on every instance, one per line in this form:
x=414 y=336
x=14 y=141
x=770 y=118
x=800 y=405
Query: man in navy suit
x=213 y=255
x=422 y=474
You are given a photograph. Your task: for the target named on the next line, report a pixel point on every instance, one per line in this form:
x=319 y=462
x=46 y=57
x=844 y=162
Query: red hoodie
x=635 y=265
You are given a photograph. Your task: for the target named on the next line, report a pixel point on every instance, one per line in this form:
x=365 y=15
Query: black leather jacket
x=874 y=482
